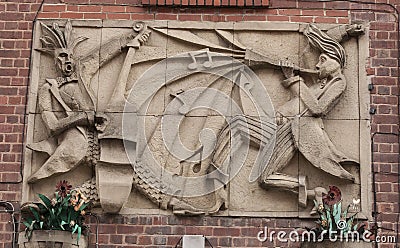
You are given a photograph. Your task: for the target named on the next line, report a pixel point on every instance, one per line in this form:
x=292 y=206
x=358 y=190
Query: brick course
x=16 y=18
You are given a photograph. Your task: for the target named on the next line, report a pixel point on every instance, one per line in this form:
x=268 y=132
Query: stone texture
x=198 y=127
x=52 y=238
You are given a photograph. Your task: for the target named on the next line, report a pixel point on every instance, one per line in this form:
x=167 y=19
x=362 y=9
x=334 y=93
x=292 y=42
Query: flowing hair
x=326 y=44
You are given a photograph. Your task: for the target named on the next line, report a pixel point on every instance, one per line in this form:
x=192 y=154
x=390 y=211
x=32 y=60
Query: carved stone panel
x=197 y=118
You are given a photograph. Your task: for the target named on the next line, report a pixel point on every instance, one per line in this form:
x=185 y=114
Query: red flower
x=334 y=196
x=63 y=188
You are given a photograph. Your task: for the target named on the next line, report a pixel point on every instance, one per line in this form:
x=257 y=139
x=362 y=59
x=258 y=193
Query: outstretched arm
x=96 y=58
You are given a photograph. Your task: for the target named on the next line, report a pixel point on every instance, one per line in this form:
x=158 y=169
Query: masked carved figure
x=67 y=103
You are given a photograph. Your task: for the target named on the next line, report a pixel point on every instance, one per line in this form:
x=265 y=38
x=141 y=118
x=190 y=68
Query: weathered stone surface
x=199 y=118
x=52 y=238
x=114 y=185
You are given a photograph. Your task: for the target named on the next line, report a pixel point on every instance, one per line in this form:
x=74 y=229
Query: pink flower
x=63 y=188
x=334 y=196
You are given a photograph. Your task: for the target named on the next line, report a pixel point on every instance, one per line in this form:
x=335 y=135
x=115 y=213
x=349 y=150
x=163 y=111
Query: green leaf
x=355 y=227
x=344 y=215
x=59 y=211
x=334 y=212
x=62 y=224
x=79 y=234
x=41 y=224
x=29 y=219
x=42 y=208
x=75 y=228
x=27 y=224
x=83 y=206
x=65 y=201
x=45 y=200
x=329 y=222
x=32 y=224
x=350 y=222
x=74 y=215
x=35 y=213
x=336 y=215
x=52 y=216
x=315 y=203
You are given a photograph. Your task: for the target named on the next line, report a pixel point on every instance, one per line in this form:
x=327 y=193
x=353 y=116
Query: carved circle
x=139 y=26
x=196 y=168
x=218 y=157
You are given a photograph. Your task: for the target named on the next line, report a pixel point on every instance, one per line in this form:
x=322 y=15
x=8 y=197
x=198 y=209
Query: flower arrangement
x=332 y=220
x=63 y=212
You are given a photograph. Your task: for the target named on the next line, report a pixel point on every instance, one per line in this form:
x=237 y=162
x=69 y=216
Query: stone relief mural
x=199 y=118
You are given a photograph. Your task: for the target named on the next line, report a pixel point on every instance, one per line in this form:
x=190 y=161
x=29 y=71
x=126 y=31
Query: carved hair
x=53 y=38
x=326 y=44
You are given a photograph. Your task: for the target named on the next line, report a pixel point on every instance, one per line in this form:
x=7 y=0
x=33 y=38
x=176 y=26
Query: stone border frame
x=363 y=94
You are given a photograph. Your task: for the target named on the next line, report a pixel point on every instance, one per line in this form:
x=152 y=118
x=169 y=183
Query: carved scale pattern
x=93 y=152
x=89 y=189
x=142 y=176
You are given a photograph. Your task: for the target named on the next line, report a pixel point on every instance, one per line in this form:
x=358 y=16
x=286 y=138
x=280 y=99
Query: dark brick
x=116 y=239
x=129 y=229
x=107 y=229
x=131 y=239
x=225 y=241
x=199 y=230
x=144 y=240
x=160 y=240
x=224 y=231
x=157 y=230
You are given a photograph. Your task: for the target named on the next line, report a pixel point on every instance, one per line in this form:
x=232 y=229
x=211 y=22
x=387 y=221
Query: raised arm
x=318 y=105
x=96 y=58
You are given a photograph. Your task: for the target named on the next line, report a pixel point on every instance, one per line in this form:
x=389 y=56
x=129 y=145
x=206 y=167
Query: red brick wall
x=16 y=18
x=165 y=231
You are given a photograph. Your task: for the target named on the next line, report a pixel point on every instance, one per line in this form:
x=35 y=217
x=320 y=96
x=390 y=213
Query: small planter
x=337 y=244
x=52 y=238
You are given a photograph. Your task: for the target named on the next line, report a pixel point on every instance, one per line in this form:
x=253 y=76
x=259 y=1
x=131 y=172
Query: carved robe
x=66 y=102
x=70 y=147
x=305 y=131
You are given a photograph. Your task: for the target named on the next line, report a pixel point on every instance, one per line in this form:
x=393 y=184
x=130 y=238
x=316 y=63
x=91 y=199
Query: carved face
x=327 y=66
x=64 y=61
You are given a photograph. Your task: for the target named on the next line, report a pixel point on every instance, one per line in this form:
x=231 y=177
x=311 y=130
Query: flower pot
x=52 y=238
x=337 y=244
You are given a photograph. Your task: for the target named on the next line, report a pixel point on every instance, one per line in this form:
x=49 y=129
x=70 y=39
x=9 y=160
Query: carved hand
x=287 y=68
x=101 y=122
x=90 y=117
x=125 y=39
x=143 y=38
x=354 y=29
x=280 y=119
